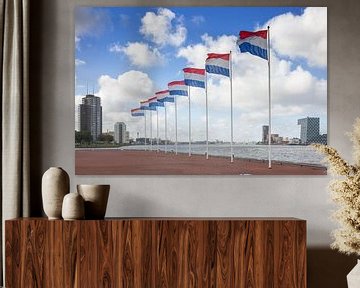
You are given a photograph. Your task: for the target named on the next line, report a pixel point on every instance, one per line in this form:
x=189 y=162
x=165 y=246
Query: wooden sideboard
x=156 y=252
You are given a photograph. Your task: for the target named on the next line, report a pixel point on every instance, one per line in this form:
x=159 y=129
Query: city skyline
x=91 y=105
x=299 y=83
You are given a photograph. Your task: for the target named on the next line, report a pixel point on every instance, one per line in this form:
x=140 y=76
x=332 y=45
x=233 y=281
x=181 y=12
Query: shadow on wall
x=328 y=268
x=138 y=207
x=37 y=40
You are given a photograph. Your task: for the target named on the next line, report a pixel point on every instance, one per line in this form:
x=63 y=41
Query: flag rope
x=176 y=151
x=145 y=129
x=157 y=129
x=269 y=135
x=151 y=140
x=207 y=118
x=189 y=121
x=165 y=129
x=231 y=113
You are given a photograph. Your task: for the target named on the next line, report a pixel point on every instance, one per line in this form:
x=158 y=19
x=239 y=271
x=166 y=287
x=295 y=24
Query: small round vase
x=96 y=198
x=73 y=207
x=55 y=185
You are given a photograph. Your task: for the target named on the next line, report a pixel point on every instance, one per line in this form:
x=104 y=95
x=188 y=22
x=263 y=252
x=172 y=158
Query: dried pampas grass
x=345 y=191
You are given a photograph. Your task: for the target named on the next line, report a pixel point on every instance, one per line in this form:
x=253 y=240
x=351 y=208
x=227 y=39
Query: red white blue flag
x=145 y=105
x=178 y=88
x=218 y=64
x=154 y=103
x=164 y=96
x=194 y=77
x=254 y=42
x=137 y=112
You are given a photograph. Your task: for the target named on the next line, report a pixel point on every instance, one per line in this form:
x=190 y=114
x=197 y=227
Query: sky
x=126 y=54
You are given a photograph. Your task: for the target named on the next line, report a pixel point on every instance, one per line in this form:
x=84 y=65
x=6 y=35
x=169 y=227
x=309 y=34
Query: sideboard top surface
x=176 y=219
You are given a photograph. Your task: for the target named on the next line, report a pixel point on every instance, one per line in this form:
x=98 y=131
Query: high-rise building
x=90 y=116
x=310 y=130
x=265 y=134
x=120 y=132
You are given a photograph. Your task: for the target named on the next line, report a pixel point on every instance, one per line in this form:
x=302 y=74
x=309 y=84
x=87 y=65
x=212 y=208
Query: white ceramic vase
x=55 y=185
x=73 y=207
x=96 y=198
x=353 y=278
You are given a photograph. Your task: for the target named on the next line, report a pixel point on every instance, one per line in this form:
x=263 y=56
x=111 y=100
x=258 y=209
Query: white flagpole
x=231 y=114
x=145 y=129
x=269 y=136
x=207 y=118
x=176 y=152
x=165 y=129
x=189 y=122
x=157 y=129
x=151 y=130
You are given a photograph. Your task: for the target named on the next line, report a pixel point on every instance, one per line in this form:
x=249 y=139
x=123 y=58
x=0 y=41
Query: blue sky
x=117 y=45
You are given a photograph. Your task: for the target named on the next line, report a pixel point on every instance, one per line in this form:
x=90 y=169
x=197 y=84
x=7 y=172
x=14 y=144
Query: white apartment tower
x=120 y=132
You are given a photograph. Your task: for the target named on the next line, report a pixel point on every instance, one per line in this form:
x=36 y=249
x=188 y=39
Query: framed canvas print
x=200 y=90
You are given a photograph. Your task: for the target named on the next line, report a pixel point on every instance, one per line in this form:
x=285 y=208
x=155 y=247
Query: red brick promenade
x=120 y=162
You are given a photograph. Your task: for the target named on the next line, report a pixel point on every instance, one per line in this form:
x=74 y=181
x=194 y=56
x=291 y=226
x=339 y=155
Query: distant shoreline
x=109 y=146
x=139 y=162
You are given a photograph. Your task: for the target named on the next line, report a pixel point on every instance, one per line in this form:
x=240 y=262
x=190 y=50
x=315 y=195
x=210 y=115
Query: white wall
x=298 y=196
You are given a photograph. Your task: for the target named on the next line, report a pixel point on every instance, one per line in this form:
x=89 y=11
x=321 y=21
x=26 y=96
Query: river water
x=285 y=153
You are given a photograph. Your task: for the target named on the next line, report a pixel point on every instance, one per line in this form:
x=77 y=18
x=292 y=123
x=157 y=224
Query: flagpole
x=165 y=129
x=157 y=128
x=189 y=122
x=151 y=130
x=207 y=118
x=145 y=129
x=231 y=114
x=175 y=124
x=269 y=136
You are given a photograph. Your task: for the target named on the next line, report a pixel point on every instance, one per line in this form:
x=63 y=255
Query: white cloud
x=197 y=53
x=79 y=62
x=296 y=93
x=119 y=95
x=198 y=19
x=301 y=36
x=116 y=48
x=163 y=28
x=140 y=54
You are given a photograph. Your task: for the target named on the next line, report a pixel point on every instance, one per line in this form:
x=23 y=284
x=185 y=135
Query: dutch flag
x=144 y=105
x=164 y=96
x=137 y=112
x=194 y=77
x=178 y=88
x=154 y=103
x=254 y=42
x=218 y=64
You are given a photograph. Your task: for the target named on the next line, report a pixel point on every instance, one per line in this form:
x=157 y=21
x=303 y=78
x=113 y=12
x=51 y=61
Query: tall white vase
x=55 y=185
x=353 y=278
